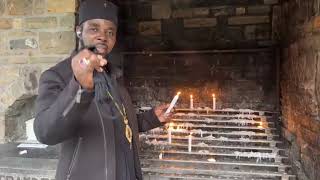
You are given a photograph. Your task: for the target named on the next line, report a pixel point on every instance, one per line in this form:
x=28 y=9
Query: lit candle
x=213 y=101
x=173 y=102
x=160 y=156
x=189 y=142
x=191 y=102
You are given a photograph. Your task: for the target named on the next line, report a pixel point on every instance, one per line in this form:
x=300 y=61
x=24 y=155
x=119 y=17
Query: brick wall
x=194 y=24
x=34 y=34
x=300 y=84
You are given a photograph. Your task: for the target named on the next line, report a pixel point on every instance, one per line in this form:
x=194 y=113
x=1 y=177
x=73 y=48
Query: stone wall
x=196 y=24
x=34 y=35
x=240 y=80
x=300 y=82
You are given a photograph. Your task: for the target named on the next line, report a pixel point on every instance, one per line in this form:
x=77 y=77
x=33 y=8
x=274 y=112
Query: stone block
x=21 y=34
x=248 y=20
x=161 y=9
x=257 y=32
x=39 y=7
x=270 y=2
x=150 y=28
x=316 y=22
x=2 y=7
x=11 y=74
x=200 y=12
x=223 y=11
x=308 y=166
x=143 y=11
x=19 y=7
x=56 y=42
x=200 y=22
x=240 y=11
x=28 y=43
x=5 y=23
x=62 y=6
x=252 y=10
x=182 y=13
x=41 y=22
x=46 y=60
x=182 y=3
x=17 y=23
x=67 y=21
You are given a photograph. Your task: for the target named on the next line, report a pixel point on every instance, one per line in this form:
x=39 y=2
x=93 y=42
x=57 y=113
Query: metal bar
x=219 y=121
x=283 y=166
x=228 y=147
x=198 y=51
x=217 y=154
x=227 y=110
x=213 y=172
x=217 y=139
x=222 y=133
x=225 y=115
x=228 y=127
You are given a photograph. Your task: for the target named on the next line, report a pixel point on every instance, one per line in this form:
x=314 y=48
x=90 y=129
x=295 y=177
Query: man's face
x=100 y=33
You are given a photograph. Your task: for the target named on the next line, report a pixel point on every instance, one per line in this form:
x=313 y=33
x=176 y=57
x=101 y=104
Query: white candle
x=169 y=135
x=201 y=133
x=189 y=143
x=160 y=156
x=173 y=102
x=213 y=101
x=191 y=102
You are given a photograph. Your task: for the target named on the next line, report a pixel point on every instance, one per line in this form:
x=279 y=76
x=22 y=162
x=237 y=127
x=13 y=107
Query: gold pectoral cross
x=128 y=131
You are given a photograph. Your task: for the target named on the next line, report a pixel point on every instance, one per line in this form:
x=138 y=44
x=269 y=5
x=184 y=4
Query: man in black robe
x=98 y=136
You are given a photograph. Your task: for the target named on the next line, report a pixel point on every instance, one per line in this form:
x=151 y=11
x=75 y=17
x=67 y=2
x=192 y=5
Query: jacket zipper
x=74 y=158
x=104 y=139
x=76 y=99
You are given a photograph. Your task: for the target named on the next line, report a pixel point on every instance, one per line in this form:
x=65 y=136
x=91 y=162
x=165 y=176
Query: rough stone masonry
x=34 y=34
x=300 y=83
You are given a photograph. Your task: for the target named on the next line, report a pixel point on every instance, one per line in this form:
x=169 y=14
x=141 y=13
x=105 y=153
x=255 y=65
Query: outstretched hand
x=160 y=113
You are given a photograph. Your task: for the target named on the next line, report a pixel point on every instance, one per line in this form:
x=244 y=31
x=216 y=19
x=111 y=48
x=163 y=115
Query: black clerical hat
x=98 y=9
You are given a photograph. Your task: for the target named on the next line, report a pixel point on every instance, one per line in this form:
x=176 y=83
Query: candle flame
x=191 y=96
x=213 y=95
x=178 y=93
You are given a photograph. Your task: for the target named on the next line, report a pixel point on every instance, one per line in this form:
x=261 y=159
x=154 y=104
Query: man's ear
x=79 y=32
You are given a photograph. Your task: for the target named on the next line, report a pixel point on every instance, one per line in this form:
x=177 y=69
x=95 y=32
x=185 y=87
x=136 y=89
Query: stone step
x=27 y=168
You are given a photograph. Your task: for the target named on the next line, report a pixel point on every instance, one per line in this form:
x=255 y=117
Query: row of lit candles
x=176 y=97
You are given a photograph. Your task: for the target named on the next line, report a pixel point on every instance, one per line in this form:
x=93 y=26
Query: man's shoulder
x=63 y=69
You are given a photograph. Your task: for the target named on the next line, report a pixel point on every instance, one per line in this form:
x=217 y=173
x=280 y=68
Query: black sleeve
x=148 y=120
x=59 y=107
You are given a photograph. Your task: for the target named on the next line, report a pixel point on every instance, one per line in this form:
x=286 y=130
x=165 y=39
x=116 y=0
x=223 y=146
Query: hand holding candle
x=173 y=102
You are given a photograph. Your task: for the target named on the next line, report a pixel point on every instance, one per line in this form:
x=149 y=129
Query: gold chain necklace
x=125 y=119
